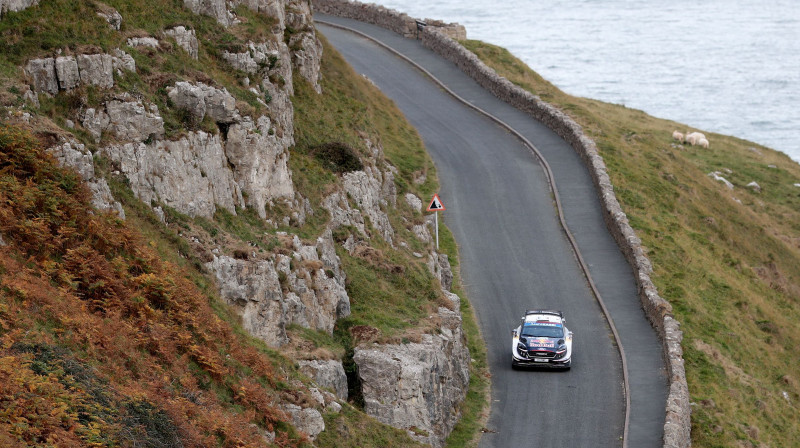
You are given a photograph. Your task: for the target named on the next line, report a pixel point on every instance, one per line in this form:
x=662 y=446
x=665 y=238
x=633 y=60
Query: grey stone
x=67 y=72
x=334 y=407
x=96 y=69
x=365 y=187
x=329 y=374
x=129 y=120
x=201 y=100
x=260 y=162
x=112 y=16
x=122 y=61
x=75 y=155
x=312 y=298
x=95 y=121
x=213 y=8
x=31 y=98
x=717 y=176
x=191 y=174
x=15 y=5
x=43 y=74
x=307 y=420
x=418 y=385
x=414 y=202
x=306 y=59
x=185 y=38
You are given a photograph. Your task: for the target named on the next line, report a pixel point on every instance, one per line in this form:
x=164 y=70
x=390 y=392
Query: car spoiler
x=552 y=312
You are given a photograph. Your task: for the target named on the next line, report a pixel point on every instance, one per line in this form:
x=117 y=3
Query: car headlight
x=522 y=347
x=561 y=352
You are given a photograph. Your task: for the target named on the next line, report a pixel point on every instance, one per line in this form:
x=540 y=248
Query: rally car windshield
x=543 y=331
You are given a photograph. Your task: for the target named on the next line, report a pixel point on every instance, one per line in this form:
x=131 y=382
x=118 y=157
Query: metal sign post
x=435 y=206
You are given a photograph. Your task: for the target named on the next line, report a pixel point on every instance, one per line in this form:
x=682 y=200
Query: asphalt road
x=515 y=256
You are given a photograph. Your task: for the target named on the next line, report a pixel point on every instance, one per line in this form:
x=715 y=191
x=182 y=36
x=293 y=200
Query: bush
x=337 y=157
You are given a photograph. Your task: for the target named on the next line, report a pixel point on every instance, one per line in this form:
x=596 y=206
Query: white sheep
x=677 y=136
x=702 y=142
x=693 y=137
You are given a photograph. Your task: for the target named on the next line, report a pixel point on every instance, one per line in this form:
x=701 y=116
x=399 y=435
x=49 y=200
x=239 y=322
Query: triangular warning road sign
x=436 y=204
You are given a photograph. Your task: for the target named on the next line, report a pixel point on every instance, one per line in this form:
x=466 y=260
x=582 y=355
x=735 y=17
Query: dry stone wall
x=677 y=425
x=398 y=22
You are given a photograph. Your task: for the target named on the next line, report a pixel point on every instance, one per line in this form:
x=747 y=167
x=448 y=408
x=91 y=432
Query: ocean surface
x=724 y=66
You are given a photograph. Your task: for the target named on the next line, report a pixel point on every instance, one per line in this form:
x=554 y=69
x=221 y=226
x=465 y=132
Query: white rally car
x=543 y=340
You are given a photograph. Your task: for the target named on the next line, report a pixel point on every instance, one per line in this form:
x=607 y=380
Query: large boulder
x=201 y=100
x=327 y=373
x=307 y=420
x=418 y=386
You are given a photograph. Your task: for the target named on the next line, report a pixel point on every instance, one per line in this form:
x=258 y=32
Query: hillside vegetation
x=727 y=260
x=112 y=332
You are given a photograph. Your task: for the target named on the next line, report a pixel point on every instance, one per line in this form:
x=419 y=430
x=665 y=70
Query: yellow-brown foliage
x=102 y=343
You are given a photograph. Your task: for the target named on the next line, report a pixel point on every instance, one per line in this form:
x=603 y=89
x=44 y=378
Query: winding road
x=516 y=256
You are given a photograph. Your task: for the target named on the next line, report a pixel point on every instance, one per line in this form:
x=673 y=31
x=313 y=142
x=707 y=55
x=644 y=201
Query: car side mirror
x=514 y=333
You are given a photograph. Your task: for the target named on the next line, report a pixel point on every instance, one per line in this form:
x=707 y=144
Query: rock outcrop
x=125 y=118
x=307 y=420
x=372 y=190
x=213 y=8
x=201 y=100
x=15 y=5
x=111 y=15
x=306 y=288
x=49 y=75
x=185 y=38
x=418 y=386
x=190 y=175
x=327 y=373
x=75 y=155
x=200 y=171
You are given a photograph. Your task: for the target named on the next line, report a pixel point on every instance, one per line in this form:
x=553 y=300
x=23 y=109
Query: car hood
x=542 y=343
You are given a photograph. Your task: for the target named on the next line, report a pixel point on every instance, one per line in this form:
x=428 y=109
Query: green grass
x=730 y=269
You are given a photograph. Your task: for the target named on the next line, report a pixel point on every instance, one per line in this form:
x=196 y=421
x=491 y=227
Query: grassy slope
x=731 y=269
x=349 y=109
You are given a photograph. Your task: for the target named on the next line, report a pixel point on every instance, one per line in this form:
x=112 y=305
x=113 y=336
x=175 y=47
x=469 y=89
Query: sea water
x=724 y=66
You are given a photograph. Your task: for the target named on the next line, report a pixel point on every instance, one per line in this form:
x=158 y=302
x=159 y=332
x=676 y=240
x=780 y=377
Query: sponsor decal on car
x=545 y=324
x=542 y=343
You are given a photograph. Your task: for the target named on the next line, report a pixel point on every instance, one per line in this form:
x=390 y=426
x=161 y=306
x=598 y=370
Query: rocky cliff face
x=304 y=288
x=418 y=386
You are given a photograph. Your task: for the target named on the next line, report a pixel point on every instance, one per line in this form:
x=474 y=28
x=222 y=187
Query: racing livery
x=543 y=340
